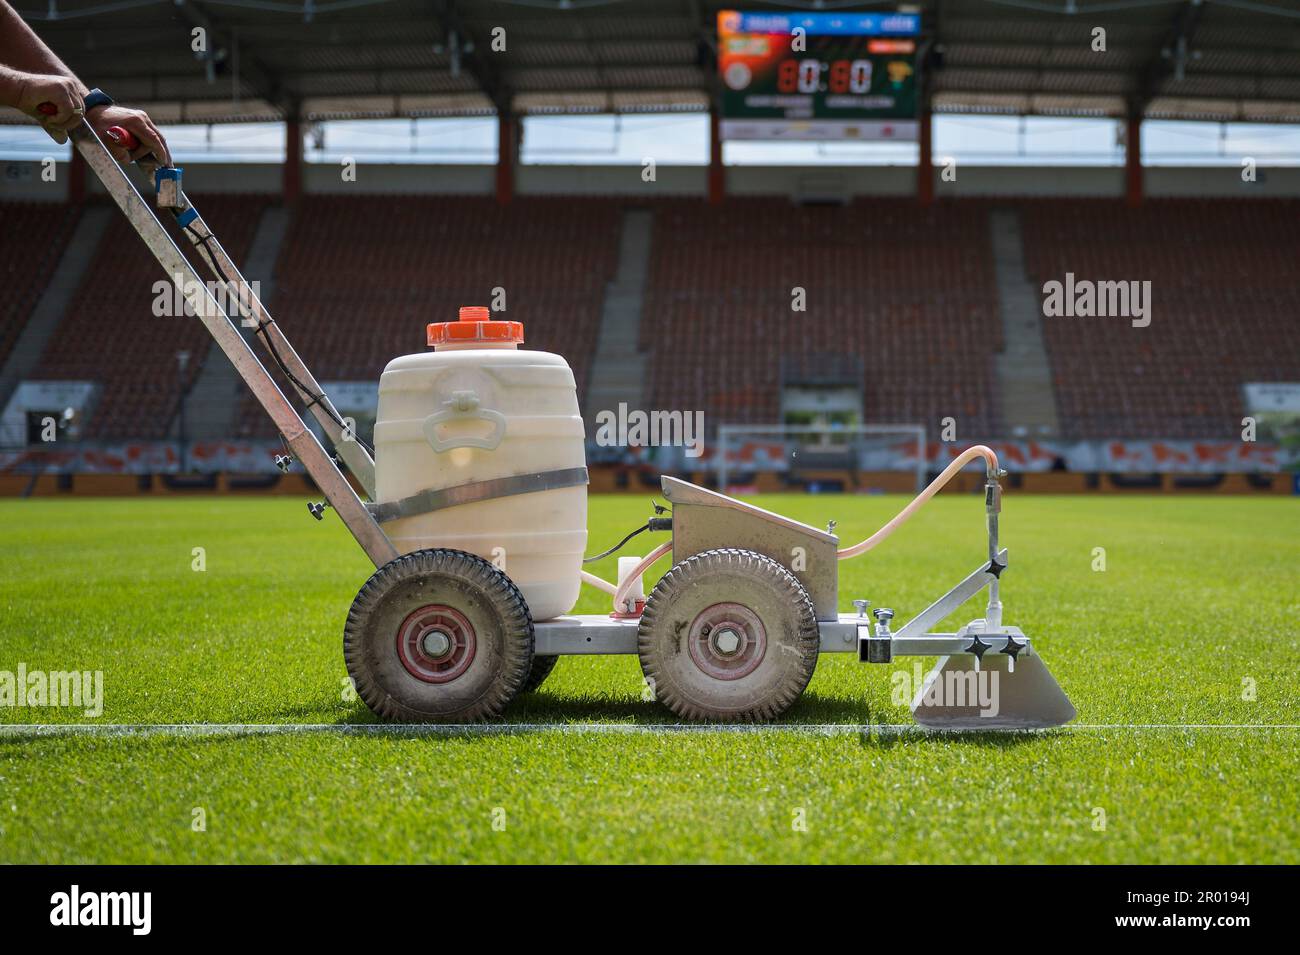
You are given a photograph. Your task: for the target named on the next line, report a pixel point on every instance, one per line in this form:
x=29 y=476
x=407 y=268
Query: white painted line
x=614 y=729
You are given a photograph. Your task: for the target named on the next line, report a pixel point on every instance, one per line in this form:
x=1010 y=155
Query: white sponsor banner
x=765 y=454
x=816 y=130
x=1272 y=396
x=1183 y=457
x=144 y=457
x=1145 y=457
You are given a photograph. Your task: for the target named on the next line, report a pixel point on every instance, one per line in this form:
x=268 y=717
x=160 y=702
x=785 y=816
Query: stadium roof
x=1229 y=60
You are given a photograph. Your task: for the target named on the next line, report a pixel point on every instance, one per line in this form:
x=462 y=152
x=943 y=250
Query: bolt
x=883 y=614
x=727 y=640
x=862 y=606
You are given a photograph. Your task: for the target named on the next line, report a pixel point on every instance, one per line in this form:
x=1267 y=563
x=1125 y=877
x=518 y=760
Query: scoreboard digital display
x=818 y=76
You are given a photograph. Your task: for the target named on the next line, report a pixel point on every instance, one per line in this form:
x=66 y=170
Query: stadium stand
x=1224 y=303
x=111 y=335
x=33 y=236
x=360 y=277
x=910 y=292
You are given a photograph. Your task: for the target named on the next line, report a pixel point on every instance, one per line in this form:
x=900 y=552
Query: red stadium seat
x=112 y=336
x=1223 y=291
x=33 y=237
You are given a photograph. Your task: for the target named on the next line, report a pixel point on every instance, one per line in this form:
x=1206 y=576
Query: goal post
x=856 y=440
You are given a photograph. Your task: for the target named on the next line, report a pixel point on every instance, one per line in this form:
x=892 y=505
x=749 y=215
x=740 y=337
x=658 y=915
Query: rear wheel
x=728 y=635
x=438 y=636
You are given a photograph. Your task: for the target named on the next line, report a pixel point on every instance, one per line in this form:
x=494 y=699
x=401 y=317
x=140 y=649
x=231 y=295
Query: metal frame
x=840 y=633
x=726 y=430
x=594 y=634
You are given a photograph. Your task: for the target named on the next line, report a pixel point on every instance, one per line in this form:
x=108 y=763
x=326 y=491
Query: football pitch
x=1172 y=622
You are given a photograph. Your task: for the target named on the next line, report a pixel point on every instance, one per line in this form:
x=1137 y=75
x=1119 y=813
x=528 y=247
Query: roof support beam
x=1169 y=59
x=1133 y=177
x=478 y=65
x=265 y=83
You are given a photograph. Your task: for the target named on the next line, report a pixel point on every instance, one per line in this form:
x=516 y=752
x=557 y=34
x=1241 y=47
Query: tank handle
x=461 y=406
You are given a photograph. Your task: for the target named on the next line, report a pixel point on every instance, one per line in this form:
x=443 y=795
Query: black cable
x=307 y=393
x=644 y=527
x=654 y=524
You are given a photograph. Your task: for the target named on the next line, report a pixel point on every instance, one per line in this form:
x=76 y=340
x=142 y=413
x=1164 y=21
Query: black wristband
x=96 y=97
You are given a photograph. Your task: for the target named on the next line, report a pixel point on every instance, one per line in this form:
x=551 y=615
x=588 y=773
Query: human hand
x=138 y=124
x=52 y=100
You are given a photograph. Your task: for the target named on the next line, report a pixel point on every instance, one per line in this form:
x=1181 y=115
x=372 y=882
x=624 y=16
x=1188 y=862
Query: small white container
x=478 y=415
x=625 y=566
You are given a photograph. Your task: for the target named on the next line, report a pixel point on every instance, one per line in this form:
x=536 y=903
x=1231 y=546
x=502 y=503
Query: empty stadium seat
x=112 y=336
x=360 y=277
x=1224 y=300
x=33 y=236
x=909 y=292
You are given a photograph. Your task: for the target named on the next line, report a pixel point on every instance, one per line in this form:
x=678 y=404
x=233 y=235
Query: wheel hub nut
x=726 y=640
x=436 y=643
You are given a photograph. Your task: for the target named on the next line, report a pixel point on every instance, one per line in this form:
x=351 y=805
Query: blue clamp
x=167 y=186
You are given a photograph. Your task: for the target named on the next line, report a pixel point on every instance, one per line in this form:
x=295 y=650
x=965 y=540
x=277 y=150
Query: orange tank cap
x=476 y=325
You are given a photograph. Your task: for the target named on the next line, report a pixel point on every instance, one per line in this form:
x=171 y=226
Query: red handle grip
x=122 y=137
x=47 y=109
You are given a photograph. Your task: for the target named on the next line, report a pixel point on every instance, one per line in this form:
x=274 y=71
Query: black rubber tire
x=769 y=593
x=540 y=670
x=488 y=600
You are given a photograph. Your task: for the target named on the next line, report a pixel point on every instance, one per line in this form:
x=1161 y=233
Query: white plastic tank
x=479 y=447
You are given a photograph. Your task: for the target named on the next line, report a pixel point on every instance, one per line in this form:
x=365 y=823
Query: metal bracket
x=975 y=582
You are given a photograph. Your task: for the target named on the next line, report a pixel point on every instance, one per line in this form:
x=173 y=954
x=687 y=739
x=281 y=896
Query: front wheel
x=438 y=636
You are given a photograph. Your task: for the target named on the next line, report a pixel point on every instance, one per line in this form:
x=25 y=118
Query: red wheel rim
x=727 y=641
x=436 y=644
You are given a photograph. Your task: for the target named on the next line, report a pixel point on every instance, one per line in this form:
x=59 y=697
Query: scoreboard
x=818 y=76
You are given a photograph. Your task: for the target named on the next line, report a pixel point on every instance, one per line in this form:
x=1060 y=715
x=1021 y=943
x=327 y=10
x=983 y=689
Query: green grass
x=1197 y=595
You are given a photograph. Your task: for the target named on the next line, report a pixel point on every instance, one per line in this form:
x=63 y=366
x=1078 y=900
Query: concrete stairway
x=214 y=401
x=1024 y=372
x=618 y=372
x=54 y=302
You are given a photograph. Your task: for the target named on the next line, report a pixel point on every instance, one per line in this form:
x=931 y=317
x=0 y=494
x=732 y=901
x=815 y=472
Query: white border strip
x=34 y=730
